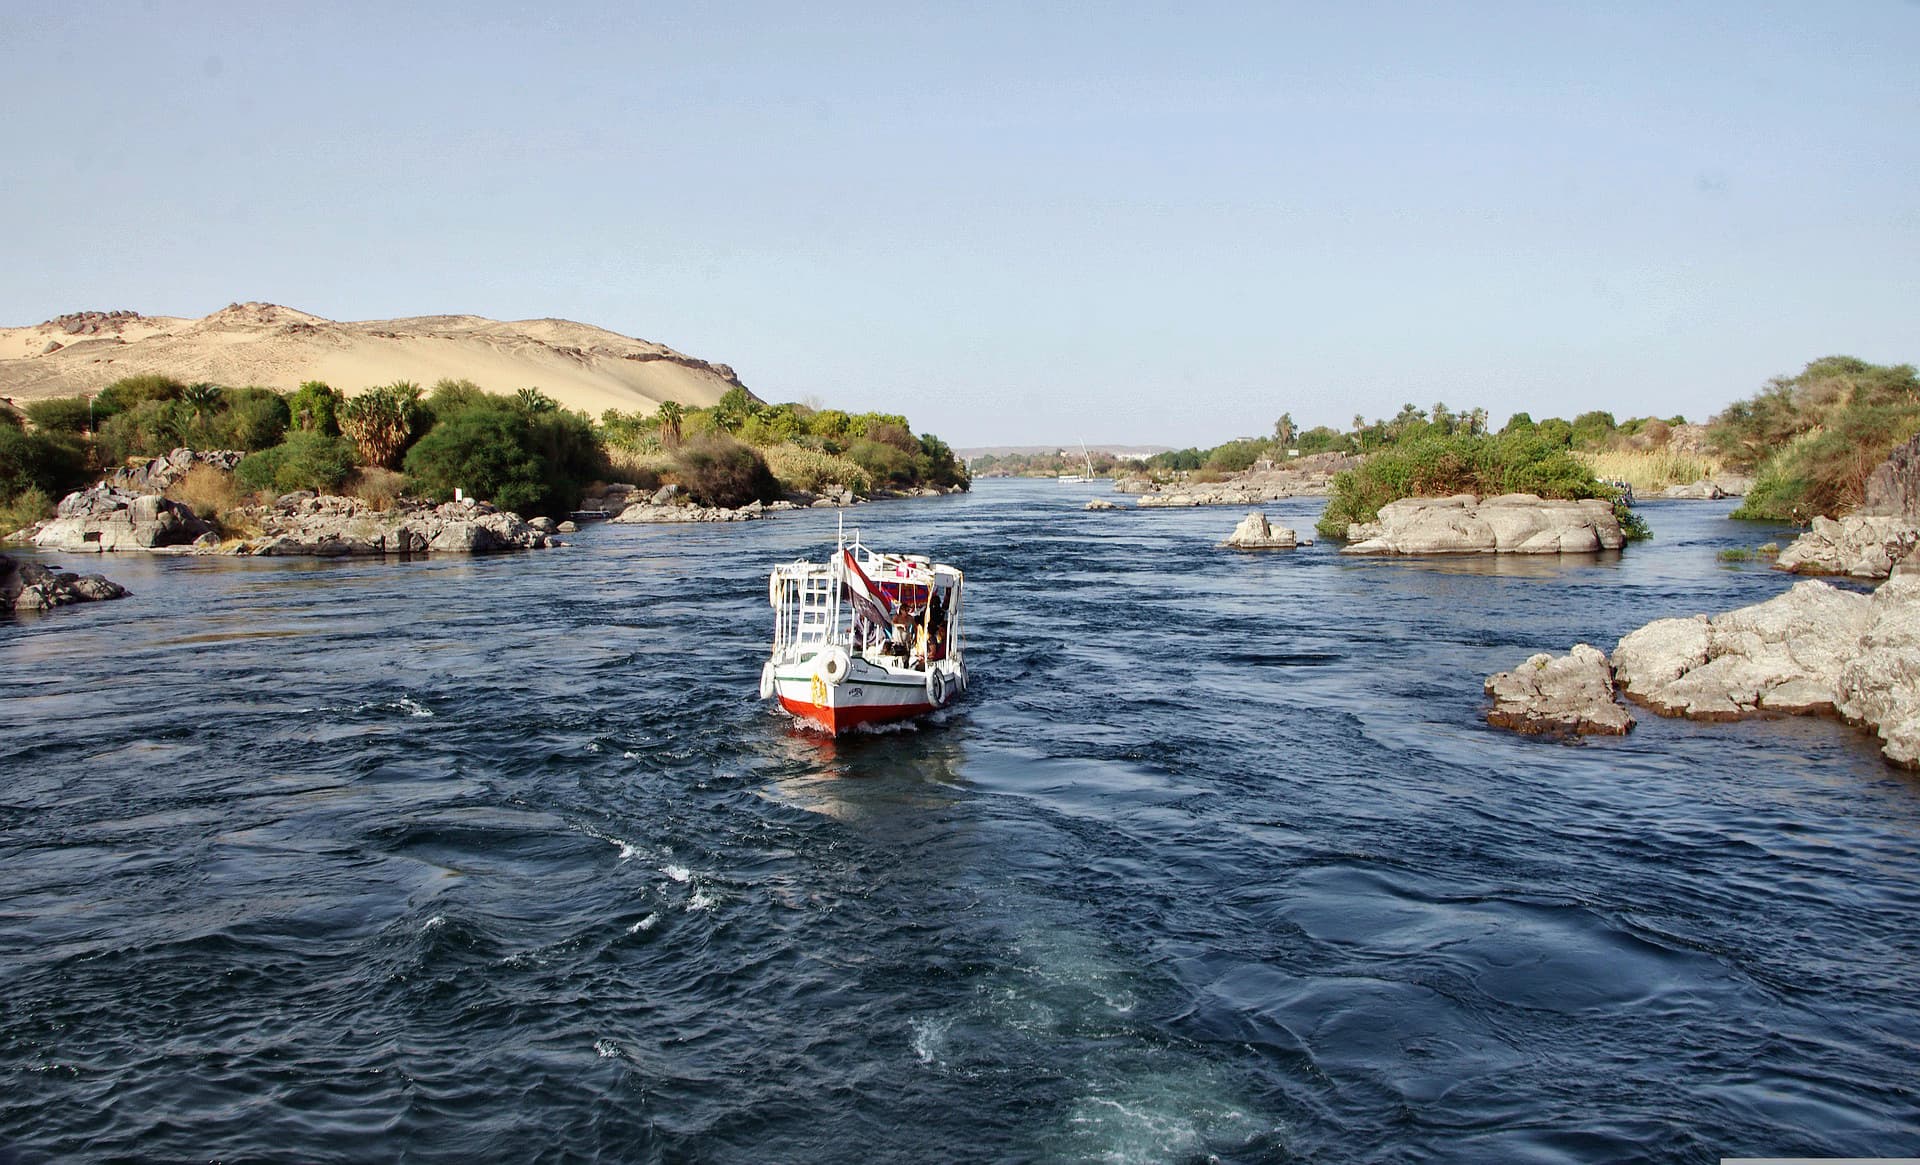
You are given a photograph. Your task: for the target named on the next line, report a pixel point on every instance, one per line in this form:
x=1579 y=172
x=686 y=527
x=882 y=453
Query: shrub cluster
x=1813 y=439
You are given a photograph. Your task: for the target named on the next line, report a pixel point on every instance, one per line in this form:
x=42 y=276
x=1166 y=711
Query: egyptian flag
x=866 y=598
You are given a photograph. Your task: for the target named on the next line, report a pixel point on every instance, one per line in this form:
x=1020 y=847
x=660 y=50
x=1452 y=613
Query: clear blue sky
x=1120 y=222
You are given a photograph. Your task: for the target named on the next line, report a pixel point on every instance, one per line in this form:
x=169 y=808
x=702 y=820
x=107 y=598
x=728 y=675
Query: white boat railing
x=809 y=616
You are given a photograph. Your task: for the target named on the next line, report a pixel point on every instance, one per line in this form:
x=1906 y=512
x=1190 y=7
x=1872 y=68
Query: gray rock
x=1815 y=649
x=1570 y=695
x=161 y=473
x=1254 y=533
x=1893 y=488
x=566 y=528
x=1507 y=524
x=105 y=518
x=1703 y=490
x=666 y=495
x=1100 y=504
x=1859 y=545
x=33 y=587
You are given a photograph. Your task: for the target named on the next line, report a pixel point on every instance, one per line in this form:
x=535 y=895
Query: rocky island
x=1507 y=524
x=32 y=587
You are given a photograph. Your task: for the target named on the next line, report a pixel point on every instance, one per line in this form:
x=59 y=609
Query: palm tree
x=670 y=414
x=532 y=400
x=382 y=420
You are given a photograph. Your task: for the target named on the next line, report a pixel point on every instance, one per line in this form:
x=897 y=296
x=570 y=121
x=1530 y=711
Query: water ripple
x=1217 y=861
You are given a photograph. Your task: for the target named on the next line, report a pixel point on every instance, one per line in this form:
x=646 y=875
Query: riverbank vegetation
x=522 y=451
x=1812 y=439
x=1436 y=464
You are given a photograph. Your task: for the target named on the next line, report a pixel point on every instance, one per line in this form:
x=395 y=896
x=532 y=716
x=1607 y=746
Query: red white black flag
x=866 y=598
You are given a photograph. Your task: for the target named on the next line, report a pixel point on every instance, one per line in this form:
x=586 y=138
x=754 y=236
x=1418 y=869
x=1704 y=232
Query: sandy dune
x=581 y=366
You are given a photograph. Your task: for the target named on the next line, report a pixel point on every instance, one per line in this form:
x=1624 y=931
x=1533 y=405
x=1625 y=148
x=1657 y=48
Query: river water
x=502 y=859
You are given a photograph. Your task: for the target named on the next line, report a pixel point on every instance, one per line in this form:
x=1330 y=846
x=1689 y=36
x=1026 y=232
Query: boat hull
x=868 y=695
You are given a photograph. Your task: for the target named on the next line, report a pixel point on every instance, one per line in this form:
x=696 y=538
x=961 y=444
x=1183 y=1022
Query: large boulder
x=1876 y=537
x=1859 y=545
x=1893 y=489
x=1255 y=533
x=1507 y=524
x=33 y=587
x=106 y=518
x=1815 y=649
x=1879 y=687
x=1569 y=695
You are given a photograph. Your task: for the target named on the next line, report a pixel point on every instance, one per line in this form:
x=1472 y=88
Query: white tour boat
x=864 y=638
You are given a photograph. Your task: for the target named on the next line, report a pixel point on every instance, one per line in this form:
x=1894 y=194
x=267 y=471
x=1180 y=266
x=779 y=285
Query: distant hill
x=579 y=365
x=1072 y=447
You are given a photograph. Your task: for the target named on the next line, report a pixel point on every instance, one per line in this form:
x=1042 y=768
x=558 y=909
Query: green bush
x=252 y=419
x=305 y=460
x=53 y=463
x=1825 y=473
x=148 y=428
x=1814 y=438
x=937 y=465
x=523 y=453
x=720 y=471
x=486 y=452
x=130 y=391
x=314 y=407
x=24 y=509
x=886 y=464
x=61 y=414
x=797 y=467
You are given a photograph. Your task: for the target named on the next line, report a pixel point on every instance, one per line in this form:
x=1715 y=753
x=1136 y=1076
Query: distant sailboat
x=1075 y=478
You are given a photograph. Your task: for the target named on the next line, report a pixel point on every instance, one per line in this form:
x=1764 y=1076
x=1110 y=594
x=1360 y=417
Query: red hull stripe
x=838 y=720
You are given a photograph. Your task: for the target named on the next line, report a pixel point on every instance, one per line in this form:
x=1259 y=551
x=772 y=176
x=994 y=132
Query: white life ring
x=832 y=664
x=773 y=589
x=766 y=679
x=936 y=689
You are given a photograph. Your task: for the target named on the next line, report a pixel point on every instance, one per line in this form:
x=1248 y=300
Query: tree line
x=522 y=451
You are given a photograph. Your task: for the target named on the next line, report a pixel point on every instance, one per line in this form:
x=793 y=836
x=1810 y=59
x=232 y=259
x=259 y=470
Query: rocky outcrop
x=1815 y=649
x=1893 y=489
x=106 y=518
x=1782 y=655
x=651 y=514
x=1255 y=533
x=1569 y=695
x=159 y=474
x=1100 y=504
x=306 y=524
x=1708 y=489
x=1305 y=477
x=1876 y=537
x=32 y=587
x=1507 y=524
x=1863 y=546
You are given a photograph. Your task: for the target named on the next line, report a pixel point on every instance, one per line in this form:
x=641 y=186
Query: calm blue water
x=502 y=859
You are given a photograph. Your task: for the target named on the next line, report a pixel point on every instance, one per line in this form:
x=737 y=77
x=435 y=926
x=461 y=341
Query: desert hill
x=579 y=365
